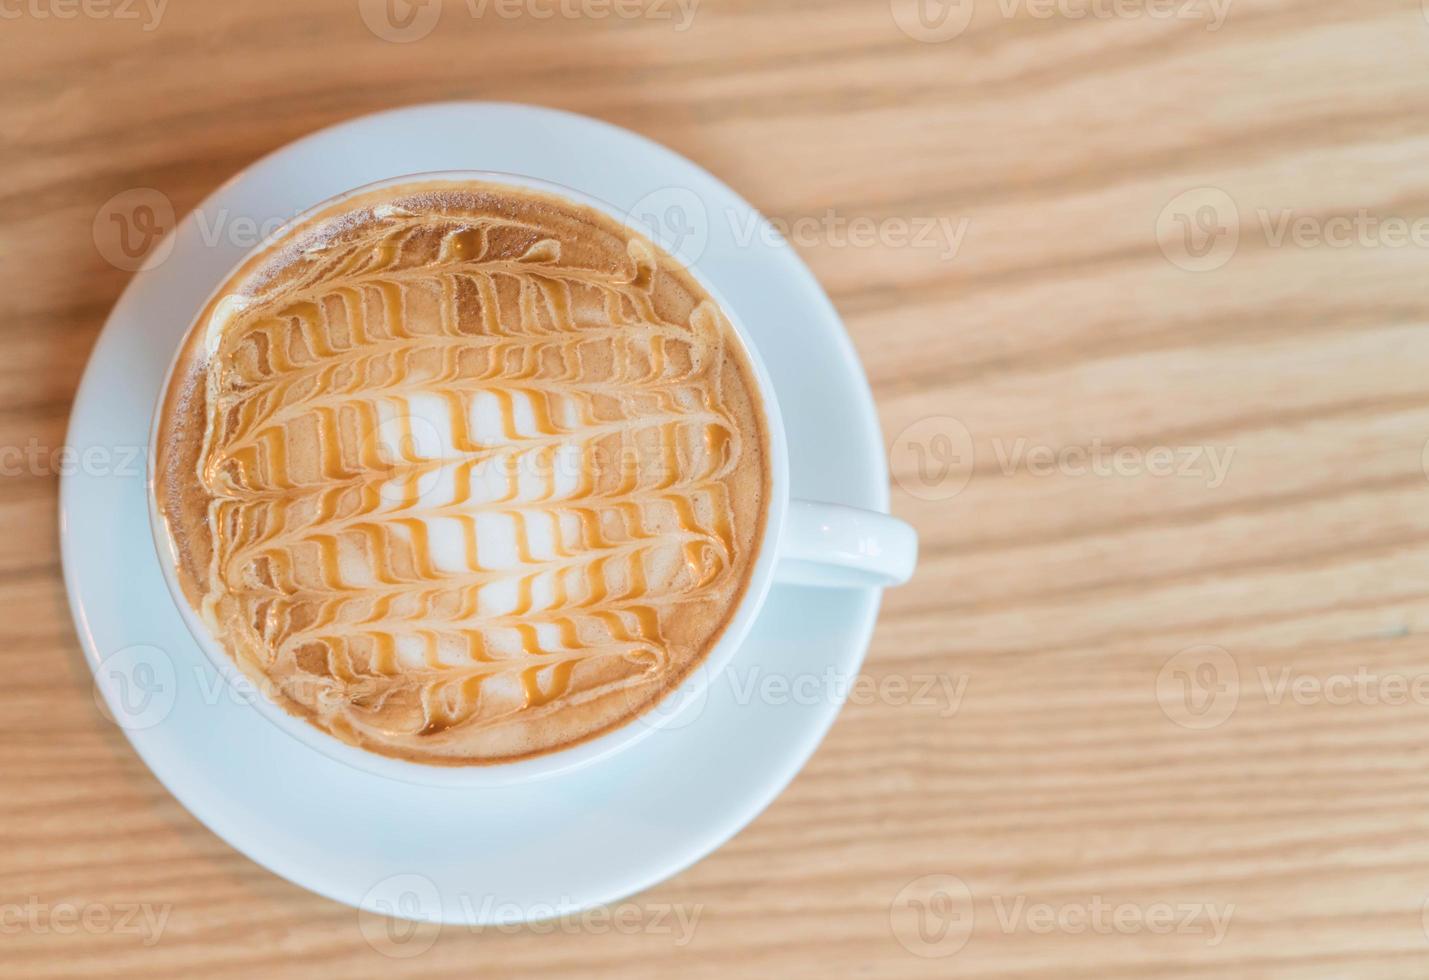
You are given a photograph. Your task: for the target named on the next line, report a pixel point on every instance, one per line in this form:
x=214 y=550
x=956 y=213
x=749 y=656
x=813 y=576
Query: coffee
x=463 y=473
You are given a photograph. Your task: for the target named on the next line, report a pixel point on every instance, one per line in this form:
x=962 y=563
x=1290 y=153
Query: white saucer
x=525 y=851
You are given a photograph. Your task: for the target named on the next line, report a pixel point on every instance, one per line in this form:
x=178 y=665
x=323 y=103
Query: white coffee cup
x=803 y=543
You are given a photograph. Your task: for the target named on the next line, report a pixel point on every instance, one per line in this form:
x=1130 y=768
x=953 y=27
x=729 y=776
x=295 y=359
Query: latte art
x=463 y=473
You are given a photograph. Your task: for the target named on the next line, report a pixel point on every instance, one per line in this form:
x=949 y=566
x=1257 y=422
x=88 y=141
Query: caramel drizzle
x=326 y=563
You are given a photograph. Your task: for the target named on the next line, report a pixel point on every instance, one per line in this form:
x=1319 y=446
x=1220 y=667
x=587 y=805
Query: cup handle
x=835 y=546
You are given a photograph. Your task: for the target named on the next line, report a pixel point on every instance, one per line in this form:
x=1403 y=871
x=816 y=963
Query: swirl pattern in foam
x=463 y=473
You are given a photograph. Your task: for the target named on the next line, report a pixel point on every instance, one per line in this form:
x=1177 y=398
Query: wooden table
x=1152 y=375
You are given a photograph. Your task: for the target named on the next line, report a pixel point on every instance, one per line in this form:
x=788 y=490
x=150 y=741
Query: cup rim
x=634 y=728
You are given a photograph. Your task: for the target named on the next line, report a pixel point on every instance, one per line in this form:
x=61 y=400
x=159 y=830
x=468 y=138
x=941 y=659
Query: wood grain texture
x=1055 y=592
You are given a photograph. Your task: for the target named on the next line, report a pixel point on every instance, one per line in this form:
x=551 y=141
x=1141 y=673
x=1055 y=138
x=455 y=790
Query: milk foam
x=481 y=472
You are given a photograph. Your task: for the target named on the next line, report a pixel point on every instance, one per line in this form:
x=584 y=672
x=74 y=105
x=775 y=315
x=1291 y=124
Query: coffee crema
x=462 y=473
